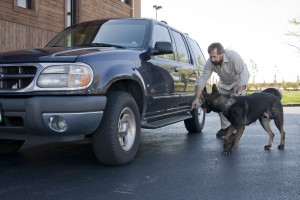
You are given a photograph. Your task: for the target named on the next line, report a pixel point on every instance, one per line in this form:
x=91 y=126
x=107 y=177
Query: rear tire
x=10 y=146
x=116 y=140
x=196 y=123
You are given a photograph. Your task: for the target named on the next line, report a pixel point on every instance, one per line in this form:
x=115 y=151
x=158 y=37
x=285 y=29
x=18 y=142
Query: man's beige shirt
x=233 y=71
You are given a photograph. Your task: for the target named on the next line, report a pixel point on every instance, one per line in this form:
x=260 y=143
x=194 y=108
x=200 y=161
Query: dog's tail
x=273 y=91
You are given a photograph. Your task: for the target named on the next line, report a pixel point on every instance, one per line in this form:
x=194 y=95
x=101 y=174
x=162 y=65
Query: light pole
x=156 y=7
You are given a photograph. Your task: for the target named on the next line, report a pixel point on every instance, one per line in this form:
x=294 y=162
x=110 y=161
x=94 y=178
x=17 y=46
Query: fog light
x=57 y=123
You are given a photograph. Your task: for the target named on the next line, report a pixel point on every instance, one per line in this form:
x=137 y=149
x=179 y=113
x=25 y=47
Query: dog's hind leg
x=278 y=119
x=265 y=123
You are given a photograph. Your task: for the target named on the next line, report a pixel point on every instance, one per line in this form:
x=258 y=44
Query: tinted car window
x=183 y=55
x=127 y=35
x=199 y=57
x=161 y=34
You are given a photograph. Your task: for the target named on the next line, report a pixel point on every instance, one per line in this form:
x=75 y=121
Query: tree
x=254 y=70
x=298 y=81
x=295 y=34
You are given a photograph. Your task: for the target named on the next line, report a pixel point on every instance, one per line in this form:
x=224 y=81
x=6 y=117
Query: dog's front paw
x=227 y=151
x=267 y=147
x=281 y=146
x=228 y=144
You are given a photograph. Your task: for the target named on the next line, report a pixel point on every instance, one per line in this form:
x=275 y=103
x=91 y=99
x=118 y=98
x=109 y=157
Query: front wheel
x=196 y=123
x=117 y=139
x=10 y=146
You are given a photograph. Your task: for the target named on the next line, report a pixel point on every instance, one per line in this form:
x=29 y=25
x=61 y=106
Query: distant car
x=106 y=79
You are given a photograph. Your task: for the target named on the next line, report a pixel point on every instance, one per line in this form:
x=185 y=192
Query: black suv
x=103 y=79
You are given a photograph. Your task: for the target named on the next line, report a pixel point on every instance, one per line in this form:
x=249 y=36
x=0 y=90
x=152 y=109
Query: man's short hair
x=216 y=45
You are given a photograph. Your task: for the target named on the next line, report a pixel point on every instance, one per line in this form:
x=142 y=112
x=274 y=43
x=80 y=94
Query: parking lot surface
x=170 y=164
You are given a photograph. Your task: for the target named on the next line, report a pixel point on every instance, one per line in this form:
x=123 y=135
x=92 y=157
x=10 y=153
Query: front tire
x=10 y=146
x=117 y=139
x=196 y=123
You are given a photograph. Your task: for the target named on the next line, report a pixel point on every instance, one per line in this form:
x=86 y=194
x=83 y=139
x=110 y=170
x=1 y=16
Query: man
x=233 y=74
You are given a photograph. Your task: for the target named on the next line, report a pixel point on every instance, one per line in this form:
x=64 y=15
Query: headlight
x=69 y=76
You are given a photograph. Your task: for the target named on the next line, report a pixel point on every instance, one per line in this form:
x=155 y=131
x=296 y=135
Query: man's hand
x=241 y=91
x=241 y=88
x=195 y=104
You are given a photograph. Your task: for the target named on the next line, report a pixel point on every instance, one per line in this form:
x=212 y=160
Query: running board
x=164 y=122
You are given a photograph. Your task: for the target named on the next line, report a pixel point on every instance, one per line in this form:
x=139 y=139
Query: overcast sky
x=254 y=28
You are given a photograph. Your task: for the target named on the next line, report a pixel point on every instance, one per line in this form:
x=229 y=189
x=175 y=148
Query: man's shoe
x=222 y=132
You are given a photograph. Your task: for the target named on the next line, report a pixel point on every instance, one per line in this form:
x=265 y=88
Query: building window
x=125 y=1
x=28 y=7
x=28 y=4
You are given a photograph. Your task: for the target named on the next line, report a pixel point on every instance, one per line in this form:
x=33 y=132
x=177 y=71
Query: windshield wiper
x=106 y=45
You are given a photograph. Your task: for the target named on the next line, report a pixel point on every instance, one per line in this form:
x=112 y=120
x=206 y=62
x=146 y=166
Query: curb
x=291 y=105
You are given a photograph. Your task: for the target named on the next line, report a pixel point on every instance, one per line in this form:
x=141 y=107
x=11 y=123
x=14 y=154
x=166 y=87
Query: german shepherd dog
x=244 y=110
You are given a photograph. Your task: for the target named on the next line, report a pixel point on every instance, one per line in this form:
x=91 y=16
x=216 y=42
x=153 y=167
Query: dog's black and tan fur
x=244 y=110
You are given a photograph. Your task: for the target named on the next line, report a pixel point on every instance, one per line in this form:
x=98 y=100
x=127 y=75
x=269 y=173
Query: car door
x=163 y=95
x=188 y=73
x=194 y=69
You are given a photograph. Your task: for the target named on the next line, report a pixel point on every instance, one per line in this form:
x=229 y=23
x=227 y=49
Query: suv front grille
x=16 y=77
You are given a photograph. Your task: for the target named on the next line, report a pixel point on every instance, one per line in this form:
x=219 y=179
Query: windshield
x=119 y=33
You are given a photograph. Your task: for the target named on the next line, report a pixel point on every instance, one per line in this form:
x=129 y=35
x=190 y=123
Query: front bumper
x=25 y=117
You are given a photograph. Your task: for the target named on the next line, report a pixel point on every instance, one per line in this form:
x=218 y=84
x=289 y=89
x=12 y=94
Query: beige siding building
x=33 y=23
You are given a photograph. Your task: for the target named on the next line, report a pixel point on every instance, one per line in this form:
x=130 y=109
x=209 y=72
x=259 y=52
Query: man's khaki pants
x=224 y=122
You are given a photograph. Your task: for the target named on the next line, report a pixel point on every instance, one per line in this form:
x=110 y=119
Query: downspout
x=132 y=8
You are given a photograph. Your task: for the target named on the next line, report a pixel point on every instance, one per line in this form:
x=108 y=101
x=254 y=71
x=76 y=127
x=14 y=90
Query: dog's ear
x=215 y=89
x=204 y=91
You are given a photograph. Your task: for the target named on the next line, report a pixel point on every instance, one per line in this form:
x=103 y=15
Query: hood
x=51 y=54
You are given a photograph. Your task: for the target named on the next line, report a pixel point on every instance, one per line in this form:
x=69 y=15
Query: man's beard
x=217 y=63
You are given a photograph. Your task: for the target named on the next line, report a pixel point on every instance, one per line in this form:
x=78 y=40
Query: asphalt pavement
x=170 y=164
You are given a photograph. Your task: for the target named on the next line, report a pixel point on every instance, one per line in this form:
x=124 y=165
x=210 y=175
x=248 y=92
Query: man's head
x=216 y=53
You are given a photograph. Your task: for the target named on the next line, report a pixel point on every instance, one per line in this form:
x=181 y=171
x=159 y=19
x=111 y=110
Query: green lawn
x=289 y=97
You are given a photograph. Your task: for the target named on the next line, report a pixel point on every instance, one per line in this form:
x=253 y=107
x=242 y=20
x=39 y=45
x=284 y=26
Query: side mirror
x=163 y=48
